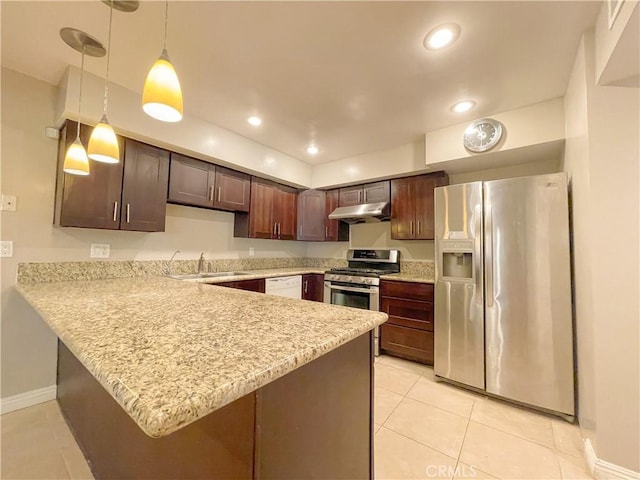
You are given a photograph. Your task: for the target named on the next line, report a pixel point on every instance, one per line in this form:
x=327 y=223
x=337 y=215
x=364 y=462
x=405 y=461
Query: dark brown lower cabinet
x=315 y=422
x=313 y=287
x=409 y=331
x=254 y=285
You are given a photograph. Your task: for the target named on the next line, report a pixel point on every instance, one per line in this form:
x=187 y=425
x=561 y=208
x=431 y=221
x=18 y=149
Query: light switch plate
x=6 y=248
x=8 y=203
x=100 y=250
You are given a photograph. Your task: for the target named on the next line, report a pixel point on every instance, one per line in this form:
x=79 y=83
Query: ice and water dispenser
x=457 y=265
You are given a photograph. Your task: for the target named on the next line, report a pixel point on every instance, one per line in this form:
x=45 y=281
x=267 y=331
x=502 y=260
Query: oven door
x=349 y=295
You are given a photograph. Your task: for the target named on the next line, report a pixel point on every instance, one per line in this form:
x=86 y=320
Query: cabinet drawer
x=413 y=290
x=256 y=285
x=408 y=313
x=407 y=342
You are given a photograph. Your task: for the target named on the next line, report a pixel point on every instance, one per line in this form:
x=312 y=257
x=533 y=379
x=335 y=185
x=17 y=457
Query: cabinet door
x=191 y=181
x=232 y=190
x=144 y=187
x=311 y=215
x=285 y=213
x=407 y=343
x=375 y=192
x=403 y=225
x=350 y=196
x=313 y=287
x=424 y=203
x=331 y=226
x=261 y=222
x=93 y=200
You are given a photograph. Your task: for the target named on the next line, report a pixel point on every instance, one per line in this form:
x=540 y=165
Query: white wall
x=602 y=158
x=28 y=170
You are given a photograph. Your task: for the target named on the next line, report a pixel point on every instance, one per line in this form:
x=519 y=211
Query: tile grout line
x=464 y=437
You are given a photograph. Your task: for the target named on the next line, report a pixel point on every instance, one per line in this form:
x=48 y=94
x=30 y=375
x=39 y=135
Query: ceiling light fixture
x=312 y=150
x=441 y=36
x=76 y=161
x=463 y=106
x=162 y=96
x=255 y=121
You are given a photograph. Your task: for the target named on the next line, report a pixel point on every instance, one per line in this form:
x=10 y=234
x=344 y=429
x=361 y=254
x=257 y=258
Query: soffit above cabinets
x=350 y=77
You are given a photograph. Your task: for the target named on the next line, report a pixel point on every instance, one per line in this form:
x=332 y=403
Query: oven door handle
x=353 y=289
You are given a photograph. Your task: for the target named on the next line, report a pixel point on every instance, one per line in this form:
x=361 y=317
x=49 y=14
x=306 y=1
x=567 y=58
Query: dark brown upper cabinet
x=334 y=230
x=272 y=212
x=202 y=184
x=412 y=206
x=368 y=193
x=129 y=195
x=312 y=215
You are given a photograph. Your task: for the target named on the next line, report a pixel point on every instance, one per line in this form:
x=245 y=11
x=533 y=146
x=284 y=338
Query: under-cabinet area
x=133 y=193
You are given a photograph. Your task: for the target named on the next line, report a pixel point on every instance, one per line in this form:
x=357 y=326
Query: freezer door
x=528 y=329
x=459 y=301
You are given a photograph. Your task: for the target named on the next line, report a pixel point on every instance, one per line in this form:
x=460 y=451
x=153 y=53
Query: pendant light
x=103 y=144
x=162 y=96
x=76 y=161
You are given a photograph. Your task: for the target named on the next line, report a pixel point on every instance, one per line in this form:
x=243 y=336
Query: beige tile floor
x=424 y=430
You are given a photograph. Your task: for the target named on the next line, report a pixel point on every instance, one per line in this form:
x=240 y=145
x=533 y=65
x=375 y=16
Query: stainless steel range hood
x=368 y=212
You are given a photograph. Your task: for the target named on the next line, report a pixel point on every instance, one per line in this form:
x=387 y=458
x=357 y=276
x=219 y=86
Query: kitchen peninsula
x=229 y=383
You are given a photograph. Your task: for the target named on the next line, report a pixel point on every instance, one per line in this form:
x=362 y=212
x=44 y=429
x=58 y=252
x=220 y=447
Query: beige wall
x=28 y=348
x=602 y=159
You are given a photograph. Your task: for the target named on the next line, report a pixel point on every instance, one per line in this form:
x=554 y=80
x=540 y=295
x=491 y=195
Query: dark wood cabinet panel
x=412 y=206
x=331 y=227
x=350 y=196
x=375 y=192
x=285 y=213
x=254 y=285
x=90 y=201
x=144 y=188
x=409 y=331
x=261 y=223
x=232 y=190
x=191 y=181
x=311 y=215
x=313 y=287
x=407 y=342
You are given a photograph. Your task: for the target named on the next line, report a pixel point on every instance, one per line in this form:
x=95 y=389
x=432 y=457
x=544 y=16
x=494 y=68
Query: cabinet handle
x=419 y=227
x=411 y=224
x=128 y=212
x=279 y=230
x=305 y=286
x=365 y=196
x=275 y=229
x=326 y=231
x=359 y=194
x=115 y=211
x=219 y=193
x=211 y=193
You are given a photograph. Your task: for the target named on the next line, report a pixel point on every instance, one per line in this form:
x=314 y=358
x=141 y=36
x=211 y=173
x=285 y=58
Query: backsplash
x=44 y=272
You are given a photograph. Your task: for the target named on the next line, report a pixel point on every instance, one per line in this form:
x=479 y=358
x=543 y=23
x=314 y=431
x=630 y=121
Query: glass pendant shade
x=103 y=144
x=162 y=96
x=76 y=161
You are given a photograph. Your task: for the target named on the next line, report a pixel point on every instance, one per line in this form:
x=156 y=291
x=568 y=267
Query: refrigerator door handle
x=489 y=256
x=477 y=254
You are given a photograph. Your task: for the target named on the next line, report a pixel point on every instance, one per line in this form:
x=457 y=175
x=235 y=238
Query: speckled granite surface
x=171 y=352
x=408 y=277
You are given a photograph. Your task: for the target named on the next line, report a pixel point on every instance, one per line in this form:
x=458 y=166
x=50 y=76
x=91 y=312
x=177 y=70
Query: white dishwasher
x=284 y=286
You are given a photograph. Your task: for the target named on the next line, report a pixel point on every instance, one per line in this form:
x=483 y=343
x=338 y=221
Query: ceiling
x=351 y=77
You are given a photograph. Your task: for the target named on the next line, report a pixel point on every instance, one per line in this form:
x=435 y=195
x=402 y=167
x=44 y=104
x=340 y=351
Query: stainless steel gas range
x=358 y=285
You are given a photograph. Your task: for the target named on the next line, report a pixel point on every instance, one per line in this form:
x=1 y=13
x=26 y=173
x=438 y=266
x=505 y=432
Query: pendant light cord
x=106 y=78
x=166 y=22
x=80 y=95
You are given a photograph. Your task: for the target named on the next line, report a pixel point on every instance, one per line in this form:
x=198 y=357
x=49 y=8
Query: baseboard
x=27 y=399
x=602 y=470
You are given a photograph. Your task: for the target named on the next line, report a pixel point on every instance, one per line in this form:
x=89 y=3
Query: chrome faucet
x=201 y=263
x=167 y=270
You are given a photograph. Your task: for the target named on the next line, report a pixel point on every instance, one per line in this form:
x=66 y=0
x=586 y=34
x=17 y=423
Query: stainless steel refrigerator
x=503 y=317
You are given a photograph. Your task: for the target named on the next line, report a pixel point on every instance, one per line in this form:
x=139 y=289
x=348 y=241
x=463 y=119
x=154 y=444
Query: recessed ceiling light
x=441 y=36
x=463 y=106
x=255 y=121
x=312 y=150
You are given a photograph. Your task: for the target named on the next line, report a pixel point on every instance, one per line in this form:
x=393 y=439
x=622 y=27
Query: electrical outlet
x=100 y=250
x=8 y=203
x=251 y=252
x=6 y=248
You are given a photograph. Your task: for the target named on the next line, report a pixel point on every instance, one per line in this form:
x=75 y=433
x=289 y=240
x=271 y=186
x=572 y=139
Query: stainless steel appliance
x=358 y=284
x=503 y=318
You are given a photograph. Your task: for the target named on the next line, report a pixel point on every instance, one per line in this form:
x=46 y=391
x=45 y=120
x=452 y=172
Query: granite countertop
x=409 y=277
x=171 y=351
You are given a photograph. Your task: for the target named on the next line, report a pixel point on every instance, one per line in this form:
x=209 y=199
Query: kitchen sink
x=192 y=276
